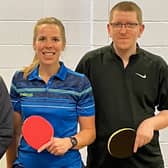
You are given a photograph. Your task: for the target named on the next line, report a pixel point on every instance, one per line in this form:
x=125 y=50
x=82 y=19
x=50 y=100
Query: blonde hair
x=48 y=20
x=127 y=6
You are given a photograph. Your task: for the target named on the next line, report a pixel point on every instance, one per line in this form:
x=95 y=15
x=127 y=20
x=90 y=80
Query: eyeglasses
x=126 y=25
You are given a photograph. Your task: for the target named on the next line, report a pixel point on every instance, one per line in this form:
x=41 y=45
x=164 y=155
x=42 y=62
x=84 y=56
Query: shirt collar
x=61 y=74
x=138 y=50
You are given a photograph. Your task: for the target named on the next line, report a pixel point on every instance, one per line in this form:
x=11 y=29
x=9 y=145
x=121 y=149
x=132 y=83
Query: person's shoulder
x=154 y=58
x=79 y=79
x=1 y=81
x=97 y=52
x=18 y=74
x=77 y=74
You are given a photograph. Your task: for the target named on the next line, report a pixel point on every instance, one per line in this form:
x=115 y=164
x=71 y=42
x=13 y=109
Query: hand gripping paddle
x=121 y=143
x=37 y=131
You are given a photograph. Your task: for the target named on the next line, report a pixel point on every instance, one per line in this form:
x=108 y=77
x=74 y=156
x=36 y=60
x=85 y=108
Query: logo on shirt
x=141 y=75
x=26 y=94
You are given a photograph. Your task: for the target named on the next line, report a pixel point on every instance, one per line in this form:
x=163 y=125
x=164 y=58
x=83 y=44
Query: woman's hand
x=57 y=146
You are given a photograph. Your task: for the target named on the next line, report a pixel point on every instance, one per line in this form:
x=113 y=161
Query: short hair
x=127 y=6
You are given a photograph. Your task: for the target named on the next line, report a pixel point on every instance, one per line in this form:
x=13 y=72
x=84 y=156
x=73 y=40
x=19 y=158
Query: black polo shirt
x=126 y=96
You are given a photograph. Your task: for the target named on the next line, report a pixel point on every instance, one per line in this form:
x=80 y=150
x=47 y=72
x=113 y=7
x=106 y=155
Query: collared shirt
x=124 y=97
x=65 y=97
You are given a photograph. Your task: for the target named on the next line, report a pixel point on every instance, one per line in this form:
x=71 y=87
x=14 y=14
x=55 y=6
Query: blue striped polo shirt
x=67 y=96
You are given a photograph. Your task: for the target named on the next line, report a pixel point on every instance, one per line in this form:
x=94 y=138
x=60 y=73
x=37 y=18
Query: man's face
x=124 y=29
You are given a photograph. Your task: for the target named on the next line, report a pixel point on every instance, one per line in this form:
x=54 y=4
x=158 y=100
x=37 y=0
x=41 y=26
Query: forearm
x=85 y=137
x=59 y=146
x=87 y=133
x=6 y=120
x=12 y=152
x=160 y=121
x=145 y=131
x=6 y=132
x=5 y=140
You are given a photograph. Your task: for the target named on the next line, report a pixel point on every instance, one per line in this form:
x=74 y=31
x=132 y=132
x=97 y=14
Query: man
x=128 y=83
x=6 y=124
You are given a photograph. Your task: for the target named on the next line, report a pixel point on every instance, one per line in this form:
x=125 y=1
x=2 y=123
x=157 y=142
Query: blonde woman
x=49 y=89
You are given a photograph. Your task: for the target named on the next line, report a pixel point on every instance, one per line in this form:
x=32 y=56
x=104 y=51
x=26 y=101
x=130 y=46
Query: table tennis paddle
x=37 y=131
x=121 y=143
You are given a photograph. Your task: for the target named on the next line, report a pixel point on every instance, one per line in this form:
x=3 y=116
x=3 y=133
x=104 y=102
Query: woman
x=62 y=96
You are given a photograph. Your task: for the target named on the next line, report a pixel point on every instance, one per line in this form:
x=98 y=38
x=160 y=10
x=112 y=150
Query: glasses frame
x=129 y=25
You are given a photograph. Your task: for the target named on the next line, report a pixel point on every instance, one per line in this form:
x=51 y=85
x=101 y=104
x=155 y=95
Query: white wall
x=85 y=22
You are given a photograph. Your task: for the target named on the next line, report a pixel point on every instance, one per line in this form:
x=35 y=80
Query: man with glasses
x=6 y=115
x=128 y=84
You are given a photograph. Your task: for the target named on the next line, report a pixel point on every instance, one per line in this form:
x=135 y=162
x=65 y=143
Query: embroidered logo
x=26 y=94
x=141 y=75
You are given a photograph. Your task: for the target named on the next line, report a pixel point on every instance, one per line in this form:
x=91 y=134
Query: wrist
x=74 y=142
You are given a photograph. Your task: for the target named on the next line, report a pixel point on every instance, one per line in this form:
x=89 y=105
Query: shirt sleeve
x=6 y=119
x=86 y=104
x=14 y=94
x=163 y=88
x=83 y=65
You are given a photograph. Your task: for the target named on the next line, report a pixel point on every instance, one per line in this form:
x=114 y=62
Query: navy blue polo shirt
x=66 y=96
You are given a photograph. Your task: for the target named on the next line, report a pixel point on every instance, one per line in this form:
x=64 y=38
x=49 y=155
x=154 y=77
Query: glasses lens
x=125 y=25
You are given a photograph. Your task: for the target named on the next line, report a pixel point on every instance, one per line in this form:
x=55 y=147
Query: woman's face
x=48 y=44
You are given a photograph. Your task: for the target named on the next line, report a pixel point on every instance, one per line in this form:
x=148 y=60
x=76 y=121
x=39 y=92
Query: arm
x=145 y=131
x=87 y=132
x=12 y=150
x=6 y=123
x=86 y=119
x=86 y=113
x=147 y=127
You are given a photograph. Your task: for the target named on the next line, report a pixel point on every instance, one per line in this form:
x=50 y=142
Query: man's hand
x=144 y=134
